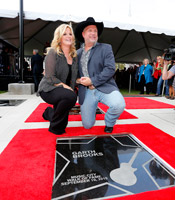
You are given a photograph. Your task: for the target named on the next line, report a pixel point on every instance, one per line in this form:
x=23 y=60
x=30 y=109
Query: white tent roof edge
x=108 y=24
x=8 y=13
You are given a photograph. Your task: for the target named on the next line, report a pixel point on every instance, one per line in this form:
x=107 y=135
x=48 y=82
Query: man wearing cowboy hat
x=96 y=70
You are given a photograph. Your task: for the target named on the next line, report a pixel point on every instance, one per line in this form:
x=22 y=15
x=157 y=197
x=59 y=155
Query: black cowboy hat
x=82 y=25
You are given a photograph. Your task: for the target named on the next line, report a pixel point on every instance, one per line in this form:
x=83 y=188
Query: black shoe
x=44 y=116
x=108 y=129
x=59 y=132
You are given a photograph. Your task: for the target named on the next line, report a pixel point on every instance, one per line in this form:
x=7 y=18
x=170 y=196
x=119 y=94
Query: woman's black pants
x=62 y=100
x=142 y=84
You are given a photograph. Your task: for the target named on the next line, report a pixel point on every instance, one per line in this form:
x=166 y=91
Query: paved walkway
x=13 y=117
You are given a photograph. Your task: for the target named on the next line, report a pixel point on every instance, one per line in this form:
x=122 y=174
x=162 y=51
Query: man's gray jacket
x=101 y=68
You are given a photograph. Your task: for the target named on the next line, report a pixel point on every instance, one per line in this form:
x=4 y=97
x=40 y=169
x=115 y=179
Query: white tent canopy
x=156 y=16
x=135 y=28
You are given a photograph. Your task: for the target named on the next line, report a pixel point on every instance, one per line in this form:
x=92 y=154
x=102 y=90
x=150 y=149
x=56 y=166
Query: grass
x=1 y=92
x=132 y=92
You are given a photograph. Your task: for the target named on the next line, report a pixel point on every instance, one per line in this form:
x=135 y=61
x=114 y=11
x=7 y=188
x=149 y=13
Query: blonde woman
x=157 y=72
x=58 y=83
x=145 y=77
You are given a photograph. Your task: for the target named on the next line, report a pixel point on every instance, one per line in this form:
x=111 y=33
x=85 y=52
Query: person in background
x=156 y=74
x=160 y=80
x=26 y=70
x=47 y=44
x=37 y=67
x=96 y=70
x=170 y=82
x=57 y=85
x=137 y=72
x=11 y=62
x=145 y=77
x=5 y=61
x=168 y=74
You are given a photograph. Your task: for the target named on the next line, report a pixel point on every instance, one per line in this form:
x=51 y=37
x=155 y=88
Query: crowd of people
x=151 y=77
x=9 y=65
x=9 y=62
x=147 y=78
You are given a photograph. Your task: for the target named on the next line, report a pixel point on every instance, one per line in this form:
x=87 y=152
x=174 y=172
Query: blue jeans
x=159 y=86
x=114 y=101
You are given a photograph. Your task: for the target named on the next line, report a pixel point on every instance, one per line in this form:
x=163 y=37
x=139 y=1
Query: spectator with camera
x=170 y=82
x=168 y=74
x=169 y=56
x=160 y=81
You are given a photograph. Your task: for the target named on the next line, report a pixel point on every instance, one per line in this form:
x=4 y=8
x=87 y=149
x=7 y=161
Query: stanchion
x=163 y=87
x=130 y=83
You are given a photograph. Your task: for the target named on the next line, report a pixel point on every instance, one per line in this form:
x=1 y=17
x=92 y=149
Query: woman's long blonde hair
x=160 y=61
x=56 y=42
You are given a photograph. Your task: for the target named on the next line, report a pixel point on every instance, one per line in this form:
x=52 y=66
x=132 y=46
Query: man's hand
x=165 y=64
x=86 y=81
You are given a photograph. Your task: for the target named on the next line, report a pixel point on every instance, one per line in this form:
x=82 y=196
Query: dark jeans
x=155 y=81
x=36 y=78
x=159 y=86
x=142 y=84
x=62 y=100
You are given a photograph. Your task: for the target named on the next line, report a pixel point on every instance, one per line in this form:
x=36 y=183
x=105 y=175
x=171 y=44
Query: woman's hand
x=67 y=87
x=78 y=81
x=64 y=85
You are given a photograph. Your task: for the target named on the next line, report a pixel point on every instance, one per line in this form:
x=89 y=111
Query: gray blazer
x=101 y=68
x=56 y=71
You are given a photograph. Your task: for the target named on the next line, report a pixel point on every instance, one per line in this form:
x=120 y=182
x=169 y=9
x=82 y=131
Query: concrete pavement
x=13 y=117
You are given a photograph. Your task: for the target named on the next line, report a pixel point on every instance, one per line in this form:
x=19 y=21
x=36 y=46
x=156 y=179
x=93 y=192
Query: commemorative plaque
x=76 y=110
x=103 y=167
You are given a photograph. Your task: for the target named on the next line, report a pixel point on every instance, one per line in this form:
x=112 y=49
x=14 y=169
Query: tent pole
x=21 y=38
